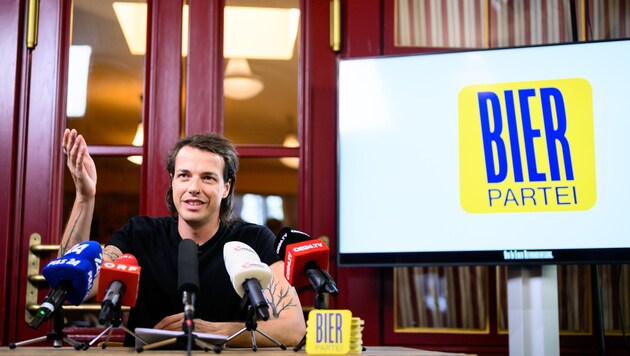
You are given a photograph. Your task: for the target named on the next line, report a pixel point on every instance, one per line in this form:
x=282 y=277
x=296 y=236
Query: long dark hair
x=214 y=143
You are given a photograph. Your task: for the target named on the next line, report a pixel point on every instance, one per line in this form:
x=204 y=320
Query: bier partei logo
x=527 y=147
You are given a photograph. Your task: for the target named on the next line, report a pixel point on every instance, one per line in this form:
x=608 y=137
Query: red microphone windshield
x=125 y=270
x=298 y=255
x=127 y=259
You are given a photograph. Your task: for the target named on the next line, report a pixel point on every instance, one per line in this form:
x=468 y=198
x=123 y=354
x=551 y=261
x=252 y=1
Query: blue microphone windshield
x=79 y=266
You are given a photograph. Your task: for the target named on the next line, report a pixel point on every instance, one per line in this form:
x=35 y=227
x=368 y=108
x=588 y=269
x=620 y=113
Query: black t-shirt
x=155 y=242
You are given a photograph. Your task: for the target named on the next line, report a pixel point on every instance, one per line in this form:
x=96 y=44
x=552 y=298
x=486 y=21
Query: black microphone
x=52 y=302
x=305 y=260
x=287 y=236
x=188 y=279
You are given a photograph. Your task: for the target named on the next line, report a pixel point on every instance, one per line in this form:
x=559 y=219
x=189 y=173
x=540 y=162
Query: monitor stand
x=533 y=310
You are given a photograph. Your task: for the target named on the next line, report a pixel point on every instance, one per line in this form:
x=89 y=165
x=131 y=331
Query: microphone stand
x=319 y=304
x=57 y=335
x=188 y=326
x=184 y=339
x=251 y=325
x=116 y=323
x=323 y=283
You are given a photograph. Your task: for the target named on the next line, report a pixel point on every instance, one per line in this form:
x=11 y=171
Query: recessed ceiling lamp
x=132 y=17
x=259 y=32
x=239 y=82
x=292 y=162
x=249 y=32
x=138 y=140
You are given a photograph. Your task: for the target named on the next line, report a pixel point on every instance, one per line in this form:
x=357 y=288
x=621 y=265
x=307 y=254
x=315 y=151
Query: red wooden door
x=33 y=100
x=35 y=145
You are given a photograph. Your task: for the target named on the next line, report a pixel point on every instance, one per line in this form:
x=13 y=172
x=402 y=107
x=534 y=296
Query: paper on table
x=154 y=335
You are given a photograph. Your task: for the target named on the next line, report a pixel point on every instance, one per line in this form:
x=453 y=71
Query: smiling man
x=203 y=170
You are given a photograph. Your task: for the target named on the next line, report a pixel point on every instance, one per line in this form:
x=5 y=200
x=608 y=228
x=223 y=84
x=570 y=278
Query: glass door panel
x=105 y=86
x=261 y=71
x=105 y=100
x=261 y=50
x=267 y=192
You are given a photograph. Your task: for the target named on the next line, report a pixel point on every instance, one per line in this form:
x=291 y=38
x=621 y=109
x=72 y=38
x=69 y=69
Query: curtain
x=441 y=297
x=507 y=23
x=441 y=23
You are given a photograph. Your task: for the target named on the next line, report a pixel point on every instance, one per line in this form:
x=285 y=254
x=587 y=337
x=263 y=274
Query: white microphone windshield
x=243 y=263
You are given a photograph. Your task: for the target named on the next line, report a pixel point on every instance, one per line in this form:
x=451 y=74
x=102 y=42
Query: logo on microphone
x=287 y=267
x=121 y=267
x=308 y=247
x=77 y=249
x=65 y=261
x=243 y=247
x=252 y=265
x=279 y=247
x=527 y=147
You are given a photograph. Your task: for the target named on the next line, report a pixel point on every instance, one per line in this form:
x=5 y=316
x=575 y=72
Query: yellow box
x=328 y=332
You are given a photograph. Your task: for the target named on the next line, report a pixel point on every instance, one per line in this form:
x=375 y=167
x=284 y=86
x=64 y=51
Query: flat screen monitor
x=498 y=156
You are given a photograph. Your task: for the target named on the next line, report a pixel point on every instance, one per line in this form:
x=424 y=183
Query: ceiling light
x=78 y=70
x=259 y=32
x=249 y=32
x=239 y=82
x=132 y=18
x=292 y=162
x=138 y=141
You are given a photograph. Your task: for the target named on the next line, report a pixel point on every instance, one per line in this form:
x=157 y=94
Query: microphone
x=249 y=276
x=71 y=278
x=305 y=260
x=117 y=286
x=188 y=278
x=287 y=236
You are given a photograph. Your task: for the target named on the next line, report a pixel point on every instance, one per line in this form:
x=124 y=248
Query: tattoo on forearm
x=113 y=255
x=281 y=298
x=72 y=236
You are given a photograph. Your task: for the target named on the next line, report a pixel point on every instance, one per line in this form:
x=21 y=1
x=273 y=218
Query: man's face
x=198 y=186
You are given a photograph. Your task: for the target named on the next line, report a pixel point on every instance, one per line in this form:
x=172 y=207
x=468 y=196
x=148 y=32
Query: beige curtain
x=506 y=23
x=441 y=297
x=457 y=298
x=452 y=23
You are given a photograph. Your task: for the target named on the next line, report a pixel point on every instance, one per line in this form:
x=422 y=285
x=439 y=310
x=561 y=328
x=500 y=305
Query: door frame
x=11 y=21
x=40 y=96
